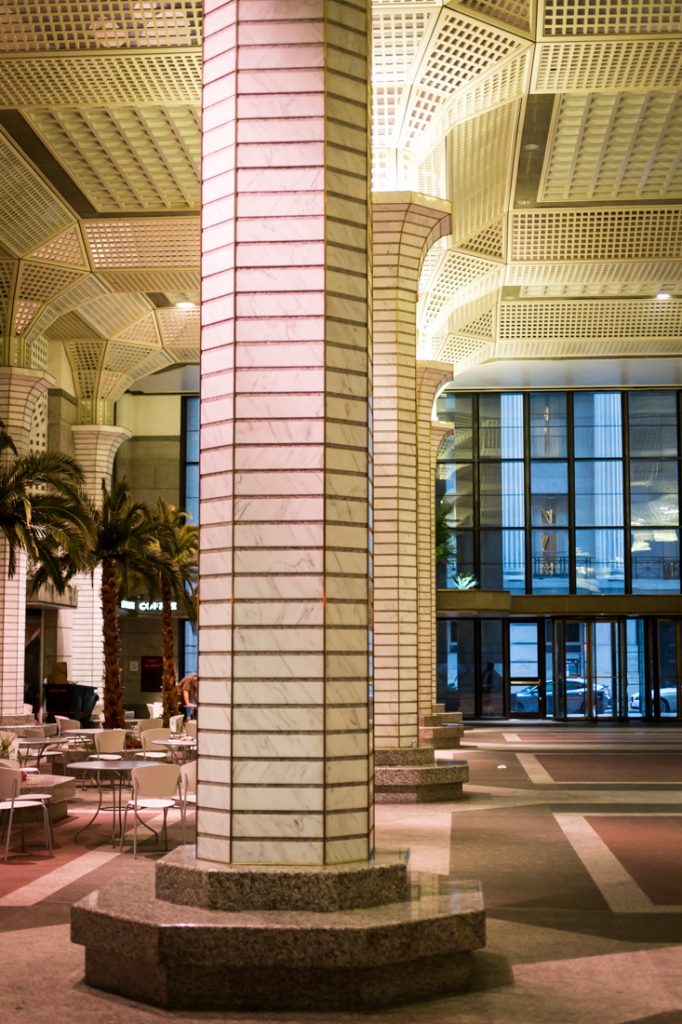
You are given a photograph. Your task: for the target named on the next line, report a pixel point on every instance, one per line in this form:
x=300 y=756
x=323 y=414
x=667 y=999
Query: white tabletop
x=103 y=766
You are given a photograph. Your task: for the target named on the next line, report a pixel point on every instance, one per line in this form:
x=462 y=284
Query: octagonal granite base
x=192 y=958
x=410 y=775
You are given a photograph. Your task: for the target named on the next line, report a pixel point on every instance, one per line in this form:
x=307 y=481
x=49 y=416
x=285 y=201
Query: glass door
x=591 y=669
x=526 y=686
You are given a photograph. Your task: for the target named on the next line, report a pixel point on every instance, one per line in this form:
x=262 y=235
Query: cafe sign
x=145 y=606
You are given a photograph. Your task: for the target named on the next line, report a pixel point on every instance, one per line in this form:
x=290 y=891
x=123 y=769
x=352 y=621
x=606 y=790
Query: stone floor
x=574 y=831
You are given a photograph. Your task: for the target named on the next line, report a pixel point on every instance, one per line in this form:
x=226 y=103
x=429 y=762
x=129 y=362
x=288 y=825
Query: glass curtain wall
x=190 y=503
x=561 y=492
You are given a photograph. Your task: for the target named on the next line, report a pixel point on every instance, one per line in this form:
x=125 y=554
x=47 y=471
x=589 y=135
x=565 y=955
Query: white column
x=430 y=377
x=284 y=740
x=20 y=392
x=404 y=227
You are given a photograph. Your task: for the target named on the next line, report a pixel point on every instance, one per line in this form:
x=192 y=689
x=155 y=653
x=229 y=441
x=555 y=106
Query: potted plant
x=9 y=755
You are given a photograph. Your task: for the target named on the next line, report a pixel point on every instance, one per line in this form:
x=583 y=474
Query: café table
x=177 y=744
x=115 y=770
x=39 y=743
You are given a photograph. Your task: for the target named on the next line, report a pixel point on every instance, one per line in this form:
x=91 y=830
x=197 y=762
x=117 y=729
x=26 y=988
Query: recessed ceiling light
x=531 y=147
x=663 y=295
x=185 y=304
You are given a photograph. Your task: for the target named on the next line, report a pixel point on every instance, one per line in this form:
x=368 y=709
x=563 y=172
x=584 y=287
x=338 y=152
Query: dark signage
x=151 y=672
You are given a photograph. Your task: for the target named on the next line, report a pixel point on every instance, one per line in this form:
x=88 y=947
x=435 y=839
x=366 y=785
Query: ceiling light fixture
x=185 y=304
x=663 y=295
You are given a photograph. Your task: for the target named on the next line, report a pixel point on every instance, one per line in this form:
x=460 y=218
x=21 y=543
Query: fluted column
x=79 y=636
x=405 y=225
x=20 y=392
x=284 y=741
x=430 y=377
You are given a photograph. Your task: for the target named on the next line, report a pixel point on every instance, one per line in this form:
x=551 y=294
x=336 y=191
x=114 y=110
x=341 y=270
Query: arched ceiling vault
x=553 y=128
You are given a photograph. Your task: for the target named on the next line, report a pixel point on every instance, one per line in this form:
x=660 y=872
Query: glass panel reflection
x=653 y=423
x=599 y=493
x=549 y=493
x=492 y=675
x=549 y=561
x=503 y=560
x=667 y=670
x=456 y=677
x=599 y=561
x=548 y=425
x=502 y=493
x=500 y=426
x=597 y=419
x=457 y=409
x=460 y=561
x=653 y=493
x=655 y=561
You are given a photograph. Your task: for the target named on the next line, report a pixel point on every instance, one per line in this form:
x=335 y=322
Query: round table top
x=176 y=741
x=80 y=732
x=36 y=741
x=104 y=766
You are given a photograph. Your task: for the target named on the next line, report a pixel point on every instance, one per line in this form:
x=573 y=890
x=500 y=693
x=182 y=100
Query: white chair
x=155 y=710
x=149 y=751
x=149 y=723
x=12 y=801
x=176 y=722
x=109 y=744
x=188 y=790
x=191 y=728
x=155 y=788
x=66 y=724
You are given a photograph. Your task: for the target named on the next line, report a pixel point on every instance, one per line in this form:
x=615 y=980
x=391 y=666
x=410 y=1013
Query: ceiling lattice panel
x=515 y=13
x=456 y=349
x=120 y=80
x=583 y=319
x=618 y=65
x=143 y=332
x=179 y=326
x=91 y=24
x=460 y=279
x=610 y=17
x=596 y=278
x=147 y=242
x=109 y=315
x=30 y=212
x=71 y=327
x=614 y=146
x=616 y=233
x=482 y=151
x=128 y=159
x=174 y=284
x=66 y=248
x=84 y=291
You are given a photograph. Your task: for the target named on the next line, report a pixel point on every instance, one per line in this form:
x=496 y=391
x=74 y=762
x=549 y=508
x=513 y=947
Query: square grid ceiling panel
x=614 y=146
x=127 y=159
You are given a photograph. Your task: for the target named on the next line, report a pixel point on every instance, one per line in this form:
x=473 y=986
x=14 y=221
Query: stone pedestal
x=276 y=952
x=441 y=730
x=408 y=775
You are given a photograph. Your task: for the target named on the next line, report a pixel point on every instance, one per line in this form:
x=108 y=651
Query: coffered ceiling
x=554 y=128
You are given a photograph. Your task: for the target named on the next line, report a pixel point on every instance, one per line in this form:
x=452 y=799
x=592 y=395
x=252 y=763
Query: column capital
x=20 y=391
x=418 y=220
x=431 y=375
x=95 y=447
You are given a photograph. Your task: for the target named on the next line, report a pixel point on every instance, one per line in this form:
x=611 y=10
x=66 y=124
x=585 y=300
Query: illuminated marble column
x=79 y=636
x=20 y=392
x=285 y=759
x=430 y=377
x=405 y=225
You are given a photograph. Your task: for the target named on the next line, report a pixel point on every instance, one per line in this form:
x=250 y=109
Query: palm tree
x=43 y=512
x=123 y=538
x=172 y=572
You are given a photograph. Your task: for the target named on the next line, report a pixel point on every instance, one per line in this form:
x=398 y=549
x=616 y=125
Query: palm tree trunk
x=114 y=715
x=169 y=693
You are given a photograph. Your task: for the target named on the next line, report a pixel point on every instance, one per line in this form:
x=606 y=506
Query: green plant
x=465 y=581
x=7 y=746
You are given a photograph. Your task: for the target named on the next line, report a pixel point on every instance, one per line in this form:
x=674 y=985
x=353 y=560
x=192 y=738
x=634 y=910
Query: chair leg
x=9 y=833
x=165 y=828
x=48 y=829
x=123 y=828
x=183 y=818
x=134 y=831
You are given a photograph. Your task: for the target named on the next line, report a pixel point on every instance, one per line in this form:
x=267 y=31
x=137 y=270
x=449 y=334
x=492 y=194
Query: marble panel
x=213 y=744
x=347 y=691
x=264 y=638
x=212 y=796
x=277 y=852
x=346 y=851
x=214 y=770
x=294 y=720
x=342 y=798
x=308 y=482
x=342 y=719
x=250 y=746
x=307 y=799
x=347 y=771
x=280 y=613
x=213 y=823
x=275 y=587
x=246 y=825
x=279 y=692
x=291 y=773
x=277 y=666
x=346 y=744
x=263 y=431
